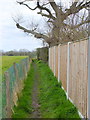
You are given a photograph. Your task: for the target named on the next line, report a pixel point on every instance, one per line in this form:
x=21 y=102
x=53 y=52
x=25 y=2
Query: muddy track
x=35 y=92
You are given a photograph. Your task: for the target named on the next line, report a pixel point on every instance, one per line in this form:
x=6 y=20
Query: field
x=7 y=61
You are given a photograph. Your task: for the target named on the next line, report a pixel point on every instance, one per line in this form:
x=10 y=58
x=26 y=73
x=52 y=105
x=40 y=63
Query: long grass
x=53 y=100
x=24 y=107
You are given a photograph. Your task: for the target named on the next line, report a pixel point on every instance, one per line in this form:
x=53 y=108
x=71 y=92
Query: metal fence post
x=59 y=63
x=68 y=68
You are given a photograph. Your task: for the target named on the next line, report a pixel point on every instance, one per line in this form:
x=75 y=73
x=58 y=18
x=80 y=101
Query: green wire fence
x=12 y=84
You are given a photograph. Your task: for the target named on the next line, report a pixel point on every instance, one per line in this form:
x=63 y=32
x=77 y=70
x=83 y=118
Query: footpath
x=43 y=96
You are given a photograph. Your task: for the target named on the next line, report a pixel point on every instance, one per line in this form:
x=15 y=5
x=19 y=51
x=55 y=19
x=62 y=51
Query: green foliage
x=7 y=61
x=53 y=100
x=24 y=108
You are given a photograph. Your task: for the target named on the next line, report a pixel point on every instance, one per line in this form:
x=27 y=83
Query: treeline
x=21 y=52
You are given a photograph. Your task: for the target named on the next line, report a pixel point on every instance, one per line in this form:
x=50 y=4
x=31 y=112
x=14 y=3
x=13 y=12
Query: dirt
x=35 y=92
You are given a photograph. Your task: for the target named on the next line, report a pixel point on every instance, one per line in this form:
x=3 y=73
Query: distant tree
x=21 y=52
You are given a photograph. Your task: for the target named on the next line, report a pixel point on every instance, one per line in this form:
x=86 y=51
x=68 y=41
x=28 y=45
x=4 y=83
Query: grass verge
x=24 y=107
x=52 y=98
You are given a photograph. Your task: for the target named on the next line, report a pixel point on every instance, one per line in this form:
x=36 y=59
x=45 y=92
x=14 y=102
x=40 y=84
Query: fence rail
x=69 y=62
x=12 y=85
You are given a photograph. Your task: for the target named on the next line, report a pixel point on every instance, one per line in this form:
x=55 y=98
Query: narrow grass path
x=28 y=103
x=43 y=97
x=35 y=92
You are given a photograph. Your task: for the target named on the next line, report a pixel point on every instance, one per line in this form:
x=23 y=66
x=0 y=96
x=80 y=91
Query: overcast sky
x=10 y=37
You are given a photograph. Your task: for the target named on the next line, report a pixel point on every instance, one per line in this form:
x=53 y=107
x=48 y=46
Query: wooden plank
x=56 y=62
x=74 y=71
x=83 y=77
x=52 y=59
x=63 y=65
x=78 y=75
x=88 y=96
x=59 y=63
x=83 y=51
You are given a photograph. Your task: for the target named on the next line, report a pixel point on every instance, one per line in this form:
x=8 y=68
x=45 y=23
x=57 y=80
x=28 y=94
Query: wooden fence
x=69 y=62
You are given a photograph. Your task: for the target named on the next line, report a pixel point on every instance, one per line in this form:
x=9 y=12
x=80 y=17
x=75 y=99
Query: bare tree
x=66 y=24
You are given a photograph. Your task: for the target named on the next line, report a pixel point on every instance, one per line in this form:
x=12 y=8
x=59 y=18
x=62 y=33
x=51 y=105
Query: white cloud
x=10 y=36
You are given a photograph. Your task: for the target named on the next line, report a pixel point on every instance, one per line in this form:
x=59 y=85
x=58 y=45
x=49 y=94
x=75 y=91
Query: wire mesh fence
x=12 y=84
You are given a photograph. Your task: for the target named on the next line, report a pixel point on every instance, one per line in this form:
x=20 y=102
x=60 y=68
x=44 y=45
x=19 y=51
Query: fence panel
x=12 y=85
x=49 y=60
x=74 y=72
x=56 y=61
x=77 y=76
x=53 y=59
x=63 y=65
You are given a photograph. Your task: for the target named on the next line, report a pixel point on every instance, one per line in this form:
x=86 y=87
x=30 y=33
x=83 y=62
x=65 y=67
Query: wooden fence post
x=68 y=68
x=17 y=78
x=8 y=101
x=59 y=63
x=28 y=64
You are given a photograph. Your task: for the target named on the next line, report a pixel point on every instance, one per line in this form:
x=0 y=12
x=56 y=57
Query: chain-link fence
x=12 y=84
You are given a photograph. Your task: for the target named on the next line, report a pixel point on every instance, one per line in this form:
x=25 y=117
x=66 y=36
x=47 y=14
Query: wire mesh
x=12 y=84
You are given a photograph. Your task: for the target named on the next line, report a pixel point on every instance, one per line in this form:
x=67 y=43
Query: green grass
x=54 y=103
x=52 y=98
x=24 y=108
x=7 y=61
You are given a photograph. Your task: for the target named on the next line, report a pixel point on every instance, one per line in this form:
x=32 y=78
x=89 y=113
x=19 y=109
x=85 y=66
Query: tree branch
x=75 y=9
x=82 y=23
x=37 y=35
x=56 y=8
x=45 y=15
x=22 y=3
x=41 y=8
x=46 y=9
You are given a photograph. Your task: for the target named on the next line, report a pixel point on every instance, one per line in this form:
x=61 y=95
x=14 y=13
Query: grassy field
x=7 y=61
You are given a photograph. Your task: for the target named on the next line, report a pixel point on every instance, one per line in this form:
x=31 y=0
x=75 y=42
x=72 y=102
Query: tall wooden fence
x=69 y=62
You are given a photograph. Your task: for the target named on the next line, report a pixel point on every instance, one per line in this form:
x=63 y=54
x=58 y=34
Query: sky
x=11 y=37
